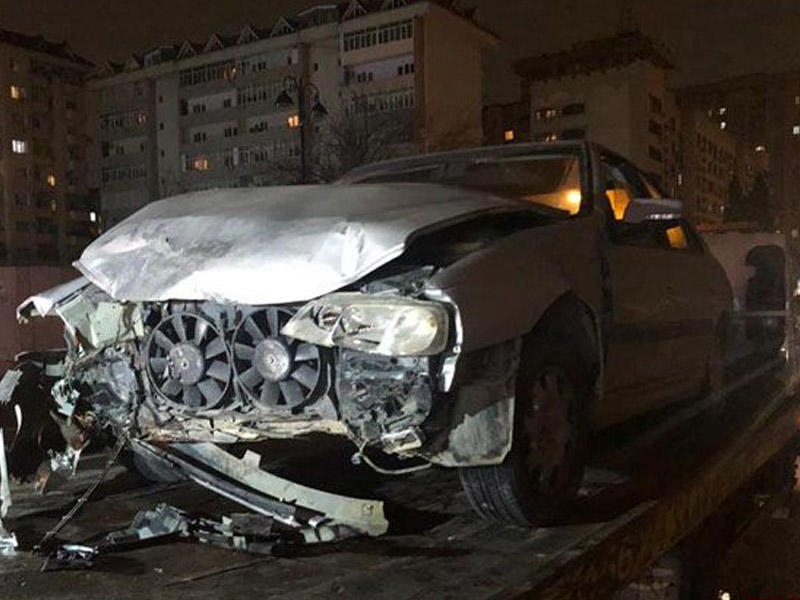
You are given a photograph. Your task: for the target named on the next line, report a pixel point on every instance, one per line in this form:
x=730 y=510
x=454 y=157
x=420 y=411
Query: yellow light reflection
x=677 y=238
x=619 y=200
x=572 y=202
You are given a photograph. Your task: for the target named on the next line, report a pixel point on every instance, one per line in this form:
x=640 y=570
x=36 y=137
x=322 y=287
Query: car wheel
x=155 y=469
x=543 y=470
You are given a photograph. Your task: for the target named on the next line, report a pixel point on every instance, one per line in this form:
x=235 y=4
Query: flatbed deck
x=635 y=506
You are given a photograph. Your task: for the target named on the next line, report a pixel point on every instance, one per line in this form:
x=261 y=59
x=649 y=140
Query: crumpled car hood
x=268 y=245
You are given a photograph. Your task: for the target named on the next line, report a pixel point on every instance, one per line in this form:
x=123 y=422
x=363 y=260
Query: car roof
x=505 y=151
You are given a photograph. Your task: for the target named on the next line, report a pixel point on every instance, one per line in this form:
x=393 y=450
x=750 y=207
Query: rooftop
x=618 y=50
x=37 y=43
x=312 y=16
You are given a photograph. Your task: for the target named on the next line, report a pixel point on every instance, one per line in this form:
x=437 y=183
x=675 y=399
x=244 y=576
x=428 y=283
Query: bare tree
x=349 y=140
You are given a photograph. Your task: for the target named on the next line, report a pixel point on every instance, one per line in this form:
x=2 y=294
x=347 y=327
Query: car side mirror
x=641 y=210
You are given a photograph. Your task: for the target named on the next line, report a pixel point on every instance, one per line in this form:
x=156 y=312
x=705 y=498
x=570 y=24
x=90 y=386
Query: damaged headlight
x=377 y=324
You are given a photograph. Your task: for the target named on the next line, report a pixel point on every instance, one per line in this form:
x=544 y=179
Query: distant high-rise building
x=712 y=160
x=49 y=211
x=612 y=91
x=764 y=111
x=193 y=116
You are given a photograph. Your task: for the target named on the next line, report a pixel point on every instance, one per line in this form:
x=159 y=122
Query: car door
x=661 y=326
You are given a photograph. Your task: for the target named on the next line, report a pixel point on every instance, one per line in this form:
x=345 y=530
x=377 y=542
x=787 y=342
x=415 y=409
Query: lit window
x=551 y=137
x=293 y=122
x=722 y=110
x=508 y=135
x=19 y=146
x=795 y=129
x=93 y=216
x=761 y=148
x=200 y=164
x=51 y=180
x=17 y=92
x=723 y=125
x=797 y=100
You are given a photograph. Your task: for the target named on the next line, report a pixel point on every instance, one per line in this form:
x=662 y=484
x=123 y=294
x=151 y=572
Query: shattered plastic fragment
x=8 y=542
x=8 y=384
x=70 y=556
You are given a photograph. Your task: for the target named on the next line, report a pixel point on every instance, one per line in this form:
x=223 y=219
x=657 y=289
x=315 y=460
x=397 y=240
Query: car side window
x=621 y=183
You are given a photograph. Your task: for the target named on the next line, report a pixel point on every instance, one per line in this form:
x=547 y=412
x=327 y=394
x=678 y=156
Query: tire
x=541 y=474
x=155 y=469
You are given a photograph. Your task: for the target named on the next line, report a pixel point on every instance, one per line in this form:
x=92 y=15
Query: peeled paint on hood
x=268 y=245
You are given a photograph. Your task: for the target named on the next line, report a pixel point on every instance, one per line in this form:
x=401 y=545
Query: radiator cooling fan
x=188 y=361
x=273 y=370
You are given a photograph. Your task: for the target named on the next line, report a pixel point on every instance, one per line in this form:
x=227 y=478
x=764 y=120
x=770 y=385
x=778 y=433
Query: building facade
x=49 y=210
x=763 y=110
x=507 y=123
x=195 y=116
x=613 y=91
x=713 y=163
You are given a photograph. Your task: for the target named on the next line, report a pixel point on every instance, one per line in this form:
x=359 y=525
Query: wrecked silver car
x=485 y=310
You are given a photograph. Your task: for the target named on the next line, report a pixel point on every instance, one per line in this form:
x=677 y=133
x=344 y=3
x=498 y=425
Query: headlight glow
x=376 y=324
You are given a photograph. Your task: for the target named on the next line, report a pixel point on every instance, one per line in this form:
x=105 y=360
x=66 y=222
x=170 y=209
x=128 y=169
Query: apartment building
x=763 y=110
x=192 y=116
x=613 y=91
x=48 y=212
x=507 y=123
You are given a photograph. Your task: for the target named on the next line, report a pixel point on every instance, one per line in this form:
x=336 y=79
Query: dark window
x=655 y=104
x=654 y=127
x=573 y=134
x=573 y=109
x=654 y=153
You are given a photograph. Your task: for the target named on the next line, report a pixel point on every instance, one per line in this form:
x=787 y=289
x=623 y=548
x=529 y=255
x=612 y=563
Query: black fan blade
x=219 y=371
x=292 y=394
x=158 y=365
x=306 y=352
x=272 y=321
x=270 y=393
x=211 y=391
x=162 y=340
x=200 y=330
x=171 y=387
x=306 y=376
x=251 y=378
x=243 y=351
x=180 y=327
x=253 y=329
x=215 y=348
x=191 y=396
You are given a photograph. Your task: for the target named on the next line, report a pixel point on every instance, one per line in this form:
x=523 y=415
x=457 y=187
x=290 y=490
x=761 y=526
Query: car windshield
x=547 y=180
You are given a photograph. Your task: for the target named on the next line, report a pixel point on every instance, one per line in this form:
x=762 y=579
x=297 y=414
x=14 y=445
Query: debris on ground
x=239 y=531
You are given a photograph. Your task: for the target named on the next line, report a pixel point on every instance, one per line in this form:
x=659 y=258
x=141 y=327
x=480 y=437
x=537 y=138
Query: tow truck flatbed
x=633 y=510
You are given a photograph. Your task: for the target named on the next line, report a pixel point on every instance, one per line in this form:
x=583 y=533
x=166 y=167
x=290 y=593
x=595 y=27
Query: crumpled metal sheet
x=268 y=245
x=43 y=303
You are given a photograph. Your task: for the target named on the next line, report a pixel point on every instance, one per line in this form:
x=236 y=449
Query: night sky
x=708 y=38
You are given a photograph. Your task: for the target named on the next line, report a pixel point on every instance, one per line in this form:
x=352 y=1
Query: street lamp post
x=307 y=93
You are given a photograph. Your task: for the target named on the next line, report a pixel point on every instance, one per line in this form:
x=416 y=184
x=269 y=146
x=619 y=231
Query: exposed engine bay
x=200 y=371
